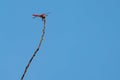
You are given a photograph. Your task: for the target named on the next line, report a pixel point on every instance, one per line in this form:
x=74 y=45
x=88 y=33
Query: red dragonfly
x=43 y=16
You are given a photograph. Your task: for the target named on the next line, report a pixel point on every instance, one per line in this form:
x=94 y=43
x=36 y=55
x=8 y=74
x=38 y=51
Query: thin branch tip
x=38 y=48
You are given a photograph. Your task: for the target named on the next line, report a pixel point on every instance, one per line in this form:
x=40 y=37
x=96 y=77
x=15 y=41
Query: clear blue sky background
x=82 y=40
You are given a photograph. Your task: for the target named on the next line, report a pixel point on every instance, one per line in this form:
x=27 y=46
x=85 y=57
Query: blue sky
x=82 y=39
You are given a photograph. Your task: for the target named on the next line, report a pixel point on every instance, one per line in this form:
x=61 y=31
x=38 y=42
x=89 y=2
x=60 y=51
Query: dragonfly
x=43 y=15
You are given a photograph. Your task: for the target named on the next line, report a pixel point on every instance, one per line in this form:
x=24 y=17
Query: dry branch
x=38 y=48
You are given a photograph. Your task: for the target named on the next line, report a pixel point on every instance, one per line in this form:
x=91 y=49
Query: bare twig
x=41 y=39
